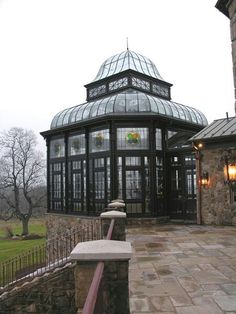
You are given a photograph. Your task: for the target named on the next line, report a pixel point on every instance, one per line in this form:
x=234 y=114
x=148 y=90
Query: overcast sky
x=49 y=49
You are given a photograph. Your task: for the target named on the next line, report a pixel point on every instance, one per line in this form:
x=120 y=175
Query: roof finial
x=127 y=43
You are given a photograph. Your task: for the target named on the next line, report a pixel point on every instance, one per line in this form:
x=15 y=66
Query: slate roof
x=218 y=129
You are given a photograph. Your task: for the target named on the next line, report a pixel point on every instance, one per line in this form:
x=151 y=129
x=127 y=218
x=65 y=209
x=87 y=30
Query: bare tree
x=21 y=173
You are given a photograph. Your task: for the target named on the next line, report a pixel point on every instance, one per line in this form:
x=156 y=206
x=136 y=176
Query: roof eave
x=222 y=6
x=174 y=122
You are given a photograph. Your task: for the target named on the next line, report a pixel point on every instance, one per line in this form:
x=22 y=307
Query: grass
x=10 y=248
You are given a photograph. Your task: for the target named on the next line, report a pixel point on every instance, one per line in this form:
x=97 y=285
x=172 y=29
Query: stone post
x=113 y=291
x=119 y=227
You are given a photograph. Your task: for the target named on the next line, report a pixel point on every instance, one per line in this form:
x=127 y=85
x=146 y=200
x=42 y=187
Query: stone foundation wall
x=216 y=198
x=52 y=293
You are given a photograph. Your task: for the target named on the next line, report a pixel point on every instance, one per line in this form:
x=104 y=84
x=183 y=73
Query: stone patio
x=183 y=269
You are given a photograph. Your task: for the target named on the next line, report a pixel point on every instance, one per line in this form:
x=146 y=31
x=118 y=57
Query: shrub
x=8 y=232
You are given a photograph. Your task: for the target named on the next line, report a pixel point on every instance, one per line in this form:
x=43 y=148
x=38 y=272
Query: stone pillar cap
x=113 y=214
x=117 y=200
x=116 y=204
x=102 y=250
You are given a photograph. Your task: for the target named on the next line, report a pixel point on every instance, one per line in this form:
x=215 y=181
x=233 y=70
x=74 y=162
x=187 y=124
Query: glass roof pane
x=187 y=114
x=54 y=121
x=194 y=118
x=79 y=113
x=199 y=118
x=161 y=107
x=131 y=103
x=120 y=103
x=86 y=111
x=60 y=118
x=120 y=66
x=102 y=107
x=167 y=107
x=67 y=116
x=174 y=110
x=73 y=114
x=153 y=104
x=128 y=101
x=110 y=104
x=144 y=104
x=93 y=110
x=180 y=110
x=127 y=60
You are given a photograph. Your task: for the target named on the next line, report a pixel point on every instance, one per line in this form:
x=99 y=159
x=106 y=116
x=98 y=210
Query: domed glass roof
x=127 y=60
x=128 y=102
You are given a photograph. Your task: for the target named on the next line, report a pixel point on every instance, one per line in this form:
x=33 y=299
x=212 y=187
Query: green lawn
x=10 y=248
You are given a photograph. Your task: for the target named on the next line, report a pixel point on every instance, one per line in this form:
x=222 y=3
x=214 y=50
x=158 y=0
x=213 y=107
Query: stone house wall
x=216 y=204
x=232 y=16
x=51 y=293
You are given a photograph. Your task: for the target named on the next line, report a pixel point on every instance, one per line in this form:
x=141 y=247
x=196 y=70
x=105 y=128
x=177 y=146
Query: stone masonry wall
x=53 y=293
x=216 y=198
x=232 y=16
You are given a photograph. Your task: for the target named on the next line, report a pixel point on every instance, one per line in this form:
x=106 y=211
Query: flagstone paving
x=183 y=269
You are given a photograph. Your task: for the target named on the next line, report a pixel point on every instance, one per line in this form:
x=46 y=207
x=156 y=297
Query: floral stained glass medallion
x=57 y=149
x=99 y=139
x=133 y=138
x=76 y=145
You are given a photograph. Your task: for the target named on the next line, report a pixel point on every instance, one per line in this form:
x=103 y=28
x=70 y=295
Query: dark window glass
x=159 y=176
x=147 y=184
x=158 y=139
x=56 y=186
x=134 y=208
x=77 y=185
x=133 y=161
x=99 y=182
x=120 y=185
x=133 y=184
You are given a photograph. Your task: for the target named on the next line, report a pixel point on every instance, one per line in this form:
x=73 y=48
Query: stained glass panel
x=132 y=138
x=99 y=141
x=76 y=144
x=57 y=148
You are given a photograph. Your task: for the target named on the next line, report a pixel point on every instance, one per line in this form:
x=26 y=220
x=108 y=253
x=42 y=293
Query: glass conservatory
x=129 y=140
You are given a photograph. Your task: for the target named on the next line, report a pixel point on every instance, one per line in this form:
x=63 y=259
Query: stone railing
x=104 y=263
